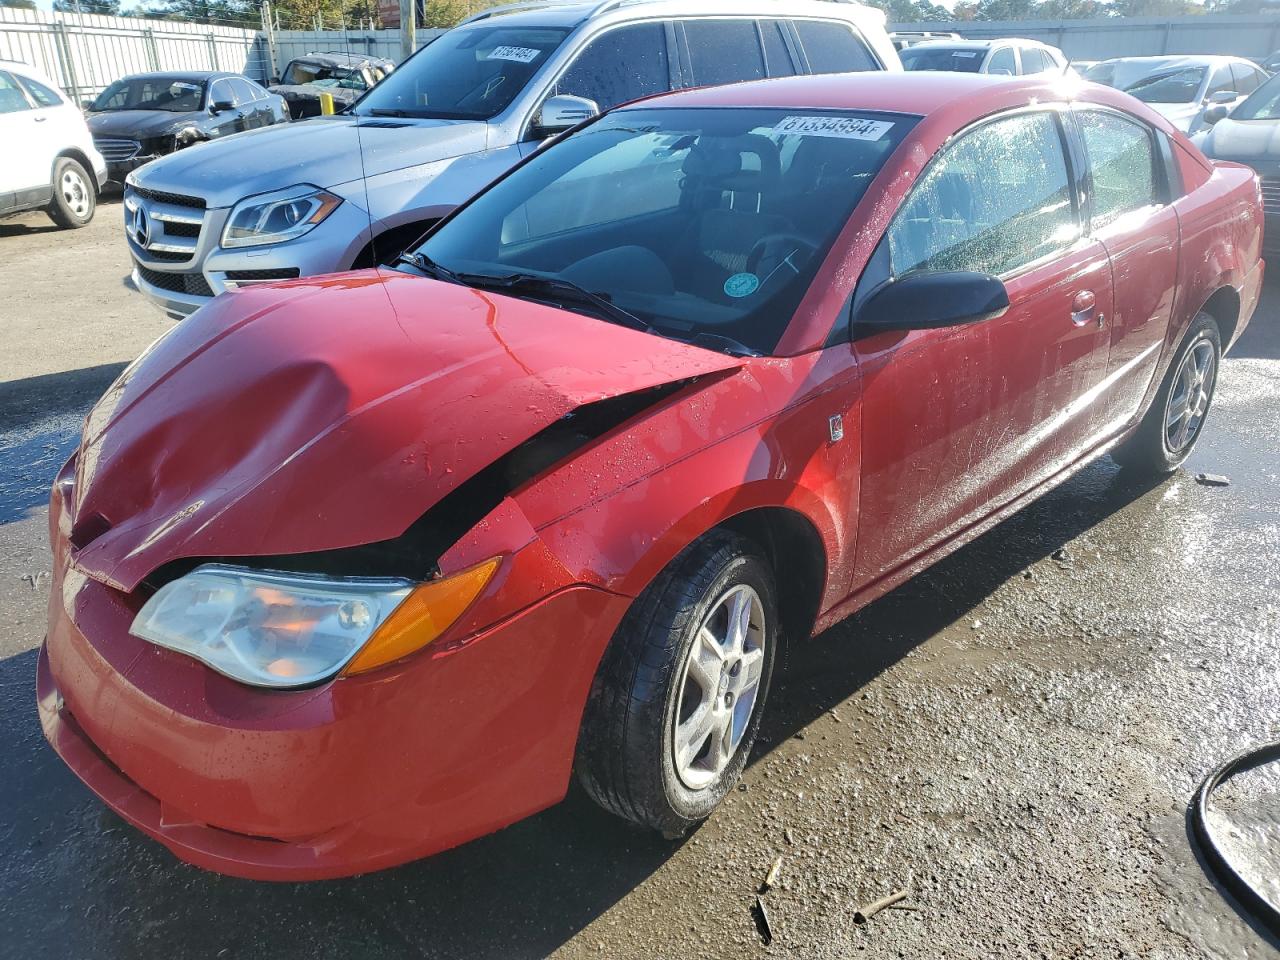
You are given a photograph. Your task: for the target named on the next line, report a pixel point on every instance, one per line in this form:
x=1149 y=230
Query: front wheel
x=677 y=702
x=74 y=197
x=1169 y=431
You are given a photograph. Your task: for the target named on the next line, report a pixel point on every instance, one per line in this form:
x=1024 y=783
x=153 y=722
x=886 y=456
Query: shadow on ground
x=522 y=892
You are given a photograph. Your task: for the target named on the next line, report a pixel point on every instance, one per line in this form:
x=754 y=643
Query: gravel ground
x=1012 y=737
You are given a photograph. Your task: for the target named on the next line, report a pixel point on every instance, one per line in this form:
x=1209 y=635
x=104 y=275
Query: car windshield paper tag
x=518 y=54
x=846 y=128
x=965 y=54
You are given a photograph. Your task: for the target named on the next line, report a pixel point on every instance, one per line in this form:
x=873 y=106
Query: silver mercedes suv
x=355 y=189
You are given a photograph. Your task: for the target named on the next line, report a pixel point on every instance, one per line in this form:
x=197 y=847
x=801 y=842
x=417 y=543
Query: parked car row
x=1183 y=89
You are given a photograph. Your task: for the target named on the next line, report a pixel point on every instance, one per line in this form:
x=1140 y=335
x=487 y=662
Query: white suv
x=50 y=161
x=355 y=189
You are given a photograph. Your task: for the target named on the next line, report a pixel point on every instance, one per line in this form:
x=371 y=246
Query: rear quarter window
x=723 y=51
x=833 y=47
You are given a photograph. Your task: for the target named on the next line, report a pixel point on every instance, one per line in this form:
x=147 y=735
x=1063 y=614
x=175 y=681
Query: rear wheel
x=677 y=702
x=1169 y=431
x=74 y=196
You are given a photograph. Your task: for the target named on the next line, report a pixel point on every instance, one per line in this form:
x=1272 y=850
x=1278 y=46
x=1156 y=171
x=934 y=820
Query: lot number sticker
x=846 y=128
x=518 y=54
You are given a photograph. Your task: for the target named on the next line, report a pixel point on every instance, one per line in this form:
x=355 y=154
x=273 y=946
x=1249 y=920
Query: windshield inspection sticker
x=742 y=285
x=847 y=128
x=518 y=54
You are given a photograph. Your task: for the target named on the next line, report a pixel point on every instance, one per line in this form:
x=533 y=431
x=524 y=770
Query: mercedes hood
x=332 y=412
x=325 y=151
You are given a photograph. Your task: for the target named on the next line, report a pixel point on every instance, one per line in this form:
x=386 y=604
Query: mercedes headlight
x=272 y=629
x=279 y=216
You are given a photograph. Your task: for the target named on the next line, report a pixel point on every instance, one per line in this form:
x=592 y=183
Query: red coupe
x=352 y=569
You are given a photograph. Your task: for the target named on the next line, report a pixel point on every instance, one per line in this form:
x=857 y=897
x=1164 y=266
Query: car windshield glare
x=942 y=58
x=706 y=224
x=1169 y=86
x=151 y=93
x=1262 y=104
x=471 y=73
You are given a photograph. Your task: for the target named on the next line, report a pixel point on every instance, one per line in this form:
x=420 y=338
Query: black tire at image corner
x=60 y=212
x=623 y=759
x=1147 y=451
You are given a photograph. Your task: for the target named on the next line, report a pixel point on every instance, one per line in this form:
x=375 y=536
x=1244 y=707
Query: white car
x=1008 y=56
x=1181 y=88
x=49 y=162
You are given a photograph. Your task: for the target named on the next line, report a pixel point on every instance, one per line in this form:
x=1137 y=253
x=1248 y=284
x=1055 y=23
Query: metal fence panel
x=86 y=52
x=1255 y=36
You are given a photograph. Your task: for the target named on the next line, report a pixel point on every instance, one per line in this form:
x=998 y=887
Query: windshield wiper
x=386 y=112
x=718 y=341
x=428 y=266
x=557 y=289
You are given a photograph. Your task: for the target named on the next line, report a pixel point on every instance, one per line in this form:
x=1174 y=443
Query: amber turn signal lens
x=425 y=614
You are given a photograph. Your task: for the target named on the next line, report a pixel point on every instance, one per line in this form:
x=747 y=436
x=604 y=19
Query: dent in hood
x=325 y=151
x=332 y=412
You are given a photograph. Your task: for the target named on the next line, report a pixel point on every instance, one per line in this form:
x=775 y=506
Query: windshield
x=1262 y=104
x=942 y=58
x=707 y=225
x=467 y=74
x=1170 y=86
x=301 y=72
x=153 y=93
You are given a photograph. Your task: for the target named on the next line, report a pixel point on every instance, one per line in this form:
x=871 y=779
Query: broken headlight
x=279 y=216
x=272 y=629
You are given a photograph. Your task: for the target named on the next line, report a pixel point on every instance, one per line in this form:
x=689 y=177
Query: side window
x=1121 y=162
x=723 y=51
x=1246 y=78
x=1034 y=60
x=42 y=95
x=246 y=92
x=620 y=65
x=12 y=99
x=1003 y=62
x=995 y=200
x=1221 y=80
x=834 y=47
x=777 y=56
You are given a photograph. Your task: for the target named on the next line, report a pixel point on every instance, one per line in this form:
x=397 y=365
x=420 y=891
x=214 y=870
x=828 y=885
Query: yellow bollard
x=326 y=104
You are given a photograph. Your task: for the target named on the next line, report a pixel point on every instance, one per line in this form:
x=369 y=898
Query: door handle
x=1082 y=307
x=40 y=119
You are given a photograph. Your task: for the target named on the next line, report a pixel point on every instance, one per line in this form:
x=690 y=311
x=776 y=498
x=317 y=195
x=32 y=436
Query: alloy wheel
x=719 y=686
x=1189 y=399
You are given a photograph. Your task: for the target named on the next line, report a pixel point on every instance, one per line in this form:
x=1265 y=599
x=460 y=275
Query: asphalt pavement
x=1012 y=737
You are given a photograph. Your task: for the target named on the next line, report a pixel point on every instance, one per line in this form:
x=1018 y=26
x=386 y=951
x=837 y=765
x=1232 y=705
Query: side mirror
x=1215 y=113
x=557 y=114
x=924 y=301
x=1222 y=96
x=221 y=106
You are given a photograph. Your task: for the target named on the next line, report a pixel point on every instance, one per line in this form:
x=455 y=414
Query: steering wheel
x=779 y=254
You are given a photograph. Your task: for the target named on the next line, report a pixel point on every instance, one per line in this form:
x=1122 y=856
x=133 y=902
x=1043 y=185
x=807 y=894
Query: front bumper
x=355 y=775
x=180 y=274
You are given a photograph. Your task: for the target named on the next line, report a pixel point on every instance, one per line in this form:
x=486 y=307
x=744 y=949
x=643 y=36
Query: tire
x=74 y=196
x=1164 y=439
x=627 y=749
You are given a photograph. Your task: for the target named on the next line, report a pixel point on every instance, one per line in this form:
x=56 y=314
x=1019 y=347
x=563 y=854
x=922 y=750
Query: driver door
x=228 y=121
x=959 y=421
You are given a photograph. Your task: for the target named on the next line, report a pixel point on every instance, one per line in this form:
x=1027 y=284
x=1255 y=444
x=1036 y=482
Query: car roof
x=944 y=44
x=194 y=76
x=965 y=97
x=555 y=13
x=1178 y=60
x=333 y=59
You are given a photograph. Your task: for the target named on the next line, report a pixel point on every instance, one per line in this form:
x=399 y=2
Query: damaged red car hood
x=333 y=412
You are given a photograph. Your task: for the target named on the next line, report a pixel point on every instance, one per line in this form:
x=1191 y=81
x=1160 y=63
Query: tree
x=19 y=4
x=107 y=8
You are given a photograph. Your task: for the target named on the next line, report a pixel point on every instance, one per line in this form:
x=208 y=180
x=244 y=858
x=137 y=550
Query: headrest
x=718 y=163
